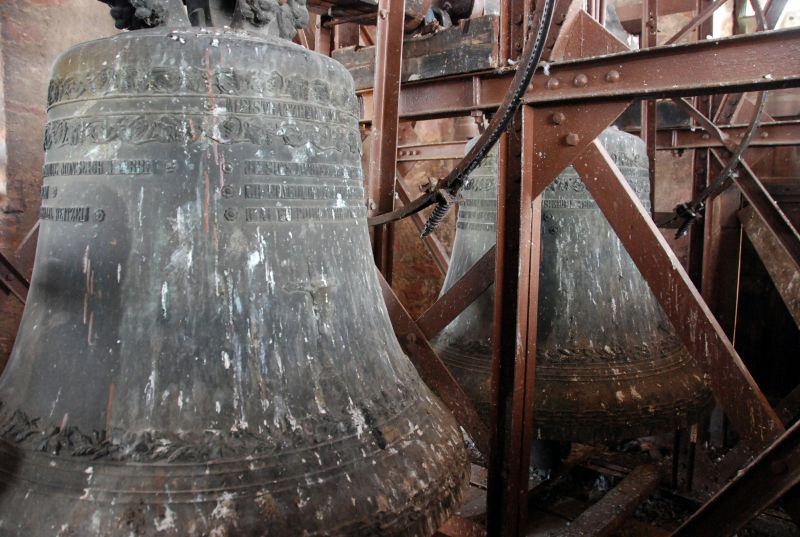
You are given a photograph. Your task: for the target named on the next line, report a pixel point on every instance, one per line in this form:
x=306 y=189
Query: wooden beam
x=612 y=510
x=469 y=47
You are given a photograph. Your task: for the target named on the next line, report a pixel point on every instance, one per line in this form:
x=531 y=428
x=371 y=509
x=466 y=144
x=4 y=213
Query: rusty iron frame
x=600 y=87
x=669 y=138
x=715 y=67
x=518 y=249
x=383 y=140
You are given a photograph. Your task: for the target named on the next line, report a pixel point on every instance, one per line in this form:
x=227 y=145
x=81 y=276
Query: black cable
x=451 y=184
x=692 y=211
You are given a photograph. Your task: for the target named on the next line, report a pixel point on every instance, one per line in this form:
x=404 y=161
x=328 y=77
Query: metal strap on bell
x=205 y=350
x=609 y=365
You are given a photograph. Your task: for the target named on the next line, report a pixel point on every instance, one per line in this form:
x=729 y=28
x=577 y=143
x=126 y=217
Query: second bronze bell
x=609 y=366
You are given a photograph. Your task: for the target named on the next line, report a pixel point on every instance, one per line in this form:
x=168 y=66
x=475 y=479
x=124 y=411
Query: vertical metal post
x=515 y=314
x=700 y=169
x=648 y=39
x=383 y=145
x=512 y=28
x=699 y=164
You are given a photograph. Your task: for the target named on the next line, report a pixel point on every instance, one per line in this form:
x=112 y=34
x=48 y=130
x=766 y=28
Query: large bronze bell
x=609 y=365
x=205 y=350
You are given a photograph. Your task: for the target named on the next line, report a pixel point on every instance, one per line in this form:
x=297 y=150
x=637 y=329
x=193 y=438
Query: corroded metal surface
x=608 y=363
x=205 y=350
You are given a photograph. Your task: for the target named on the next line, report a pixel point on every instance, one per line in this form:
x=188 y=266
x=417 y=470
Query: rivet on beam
x=612 y=76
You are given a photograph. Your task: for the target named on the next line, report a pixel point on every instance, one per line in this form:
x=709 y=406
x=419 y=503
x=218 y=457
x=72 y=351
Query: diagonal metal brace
x=732 y=385
x=432 y=370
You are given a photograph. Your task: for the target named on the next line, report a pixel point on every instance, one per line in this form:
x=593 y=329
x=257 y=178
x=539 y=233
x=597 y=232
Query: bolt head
x=230 y=214
x=612 y=76
x=552 y=83
x=572 y=139
x=227 y=167
x=580 y=80
x=99 y=215
x=227 y=191
x=558 y=118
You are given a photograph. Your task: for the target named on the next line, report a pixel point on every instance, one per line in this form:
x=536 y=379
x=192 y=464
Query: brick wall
x=32 y=34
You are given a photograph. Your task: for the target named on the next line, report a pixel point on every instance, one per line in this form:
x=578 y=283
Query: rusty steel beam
x=780 y=266
x=12 y=280
x=469 y=287
x=759 y=61
x=733 y=387
x=383 y=144
x=702 y=16
x=700 y=165
x=517 y=260
x=612 y=510
x=773 y=11
x=630 y=15
x=512 y=29
x=562 y=29
x=649 y=39
x=710 y=66
x=771 y=134
x=706 y=124
x=774 y=473
x=721 y=254
x=432 y=370
x=773 y=217
x=432 y=151
x=538 y=138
